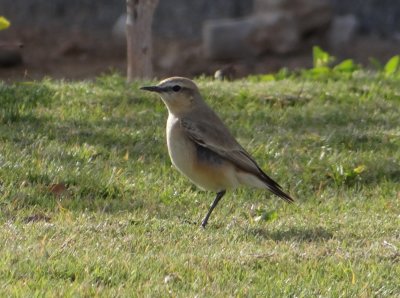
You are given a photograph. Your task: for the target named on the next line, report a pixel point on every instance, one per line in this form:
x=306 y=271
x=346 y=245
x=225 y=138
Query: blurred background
x=77 y=39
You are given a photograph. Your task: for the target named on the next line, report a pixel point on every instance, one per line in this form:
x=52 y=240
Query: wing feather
x=218 y=138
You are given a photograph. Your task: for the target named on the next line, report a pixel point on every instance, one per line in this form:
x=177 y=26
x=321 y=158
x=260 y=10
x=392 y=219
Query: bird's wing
x=218 y=139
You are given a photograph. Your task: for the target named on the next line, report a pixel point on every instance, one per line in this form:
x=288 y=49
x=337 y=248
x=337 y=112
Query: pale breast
x=180 y=148
x=205 y=168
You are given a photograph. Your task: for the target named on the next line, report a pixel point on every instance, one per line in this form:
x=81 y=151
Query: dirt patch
x=76 y=55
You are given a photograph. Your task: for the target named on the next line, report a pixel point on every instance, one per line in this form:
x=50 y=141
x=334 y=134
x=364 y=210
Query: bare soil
x=75 y=56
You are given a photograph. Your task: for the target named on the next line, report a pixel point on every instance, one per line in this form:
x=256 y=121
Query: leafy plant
x=323 y=68
x=265 y=215
x=322 y=65
x=392 y=66
x=4 y=23
x=342 y=176
x=321 y=58
x=346 y=66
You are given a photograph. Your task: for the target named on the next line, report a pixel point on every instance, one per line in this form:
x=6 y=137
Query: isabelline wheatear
x=202 y=148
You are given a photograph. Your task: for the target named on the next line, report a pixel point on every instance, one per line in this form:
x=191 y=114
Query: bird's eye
x=176 y=88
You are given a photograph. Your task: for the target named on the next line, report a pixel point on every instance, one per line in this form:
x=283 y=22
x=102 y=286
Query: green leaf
x=267 y=216
x=347 y=66
x=267 y=78
x=320 y=70
x=321 y=58
x=4 y=23
x=392 y=65
x=358 y=170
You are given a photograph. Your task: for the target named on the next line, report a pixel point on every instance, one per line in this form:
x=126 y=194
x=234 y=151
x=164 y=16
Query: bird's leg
x=213 y=205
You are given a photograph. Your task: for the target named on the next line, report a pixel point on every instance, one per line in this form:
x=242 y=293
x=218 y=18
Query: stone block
x=309 y=15
x=250 y=37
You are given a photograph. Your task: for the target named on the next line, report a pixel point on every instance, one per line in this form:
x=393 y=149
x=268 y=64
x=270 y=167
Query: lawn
x=91 y=206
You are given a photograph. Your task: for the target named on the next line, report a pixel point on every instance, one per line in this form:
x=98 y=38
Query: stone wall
x=173 y=19
x=69 y=14
x=380 y=17
x=177 y=18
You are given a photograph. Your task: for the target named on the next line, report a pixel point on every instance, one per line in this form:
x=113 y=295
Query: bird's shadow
x=315 y=234
x=292 y=234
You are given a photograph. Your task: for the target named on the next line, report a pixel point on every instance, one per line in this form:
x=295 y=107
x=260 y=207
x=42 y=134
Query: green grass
x=127 y=223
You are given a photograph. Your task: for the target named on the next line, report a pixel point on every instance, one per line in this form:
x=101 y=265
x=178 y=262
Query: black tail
x=274 y=187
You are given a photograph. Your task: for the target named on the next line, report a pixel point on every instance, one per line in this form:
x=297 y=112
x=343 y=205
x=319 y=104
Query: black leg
x=213 y=205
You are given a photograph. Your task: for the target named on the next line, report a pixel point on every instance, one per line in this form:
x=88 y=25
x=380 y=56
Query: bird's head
x=179 y=94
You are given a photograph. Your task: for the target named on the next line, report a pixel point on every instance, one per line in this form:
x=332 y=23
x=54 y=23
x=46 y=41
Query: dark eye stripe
x=176 y=88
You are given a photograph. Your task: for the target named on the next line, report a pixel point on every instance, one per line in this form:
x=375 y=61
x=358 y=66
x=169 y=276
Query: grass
x=90 y=205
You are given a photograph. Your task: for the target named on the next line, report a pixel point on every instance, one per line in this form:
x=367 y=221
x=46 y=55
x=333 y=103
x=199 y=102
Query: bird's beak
x=152 y=89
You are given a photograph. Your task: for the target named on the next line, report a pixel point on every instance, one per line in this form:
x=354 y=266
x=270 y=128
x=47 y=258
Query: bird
x=203 y=149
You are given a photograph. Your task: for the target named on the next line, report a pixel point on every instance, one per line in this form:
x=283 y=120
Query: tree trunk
x=138 y=36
